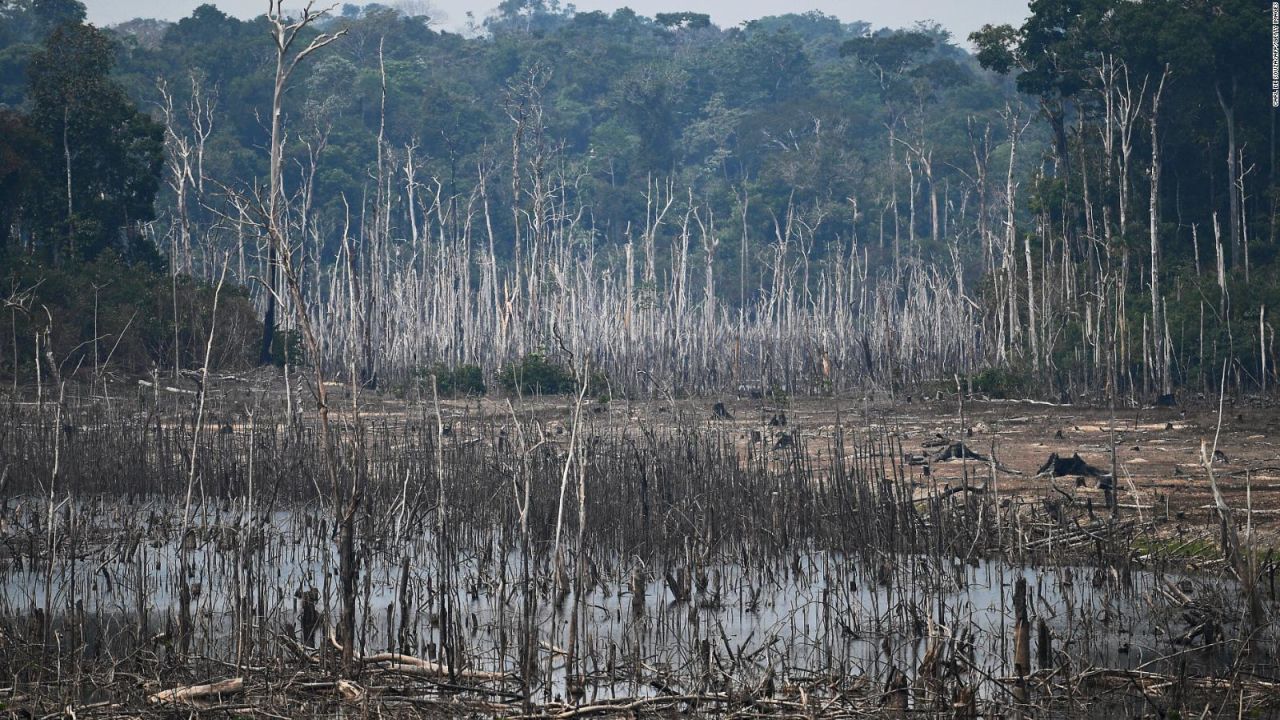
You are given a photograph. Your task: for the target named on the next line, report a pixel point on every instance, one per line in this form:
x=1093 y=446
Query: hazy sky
x=959 y=17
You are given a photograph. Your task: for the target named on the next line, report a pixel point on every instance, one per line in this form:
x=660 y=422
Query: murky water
x=115 y=584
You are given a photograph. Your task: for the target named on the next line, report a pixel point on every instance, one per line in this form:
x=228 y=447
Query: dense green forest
x=1082 y=204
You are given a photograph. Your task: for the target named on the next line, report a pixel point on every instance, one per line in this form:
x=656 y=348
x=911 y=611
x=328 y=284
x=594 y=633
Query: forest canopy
x=885 y=204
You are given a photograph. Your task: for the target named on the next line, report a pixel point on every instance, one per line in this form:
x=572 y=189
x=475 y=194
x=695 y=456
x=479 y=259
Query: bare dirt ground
x=1157 y=456
x=1157 y=450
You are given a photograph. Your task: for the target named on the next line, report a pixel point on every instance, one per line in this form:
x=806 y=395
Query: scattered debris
x=938 y=440
x=350 y=691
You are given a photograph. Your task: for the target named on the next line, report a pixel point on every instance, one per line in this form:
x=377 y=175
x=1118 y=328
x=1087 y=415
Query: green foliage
x=689 y=20
x=79 y=174
x=120 y=319
x=1232 y=334
x=536 y=375
x=791 y=111
x=81 y=168
x=1193 y=549
x=1069 y=56
x=769 y=110
x=891 y=53
x=287 y=346
x=1005 y=382
x=462 y=380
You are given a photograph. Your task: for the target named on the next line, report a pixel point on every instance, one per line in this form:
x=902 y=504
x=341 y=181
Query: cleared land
x=747 y=557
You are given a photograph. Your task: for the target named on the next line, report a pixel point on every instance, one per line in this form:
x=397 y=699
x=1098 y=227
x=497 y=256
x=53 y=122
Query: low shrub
x=535 y=374
x=1003 y=382
x=459 y=381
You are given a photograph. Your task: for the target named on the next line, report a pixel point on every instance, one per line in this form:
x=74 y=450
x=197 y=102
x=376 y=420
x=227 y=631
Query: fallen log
x=411 y=665
x=191 y=693
x=166 y=388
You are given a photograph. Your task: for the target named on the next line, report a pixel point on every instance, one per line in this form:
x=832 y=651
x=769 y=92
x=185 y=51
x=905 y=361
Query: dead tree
x=285 y=31
x=1160 y=352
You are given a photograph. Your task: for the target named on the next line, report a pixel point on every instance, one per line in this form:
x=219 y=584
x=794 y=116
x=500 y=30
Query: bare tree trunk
x=1229 y=116
x=66 y=158
x=1157 y=321
x=285 y=32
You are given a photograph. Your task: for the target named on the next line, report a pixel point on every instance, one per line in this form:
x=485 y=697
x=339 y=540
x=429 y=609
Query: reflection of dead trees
x=1021 y=640
x=310 y=618
x=896 y=694
x=679 y=585
x=639 y=581
x=941 y=681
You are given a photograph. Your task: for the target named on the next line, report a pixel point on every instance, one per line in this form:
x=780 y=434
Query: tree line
x=1084 y=203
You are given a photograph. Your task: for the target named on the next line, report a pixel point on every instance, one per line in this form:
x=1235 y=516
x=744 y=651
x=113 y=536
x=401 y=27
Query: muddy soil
x=1155 y=452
